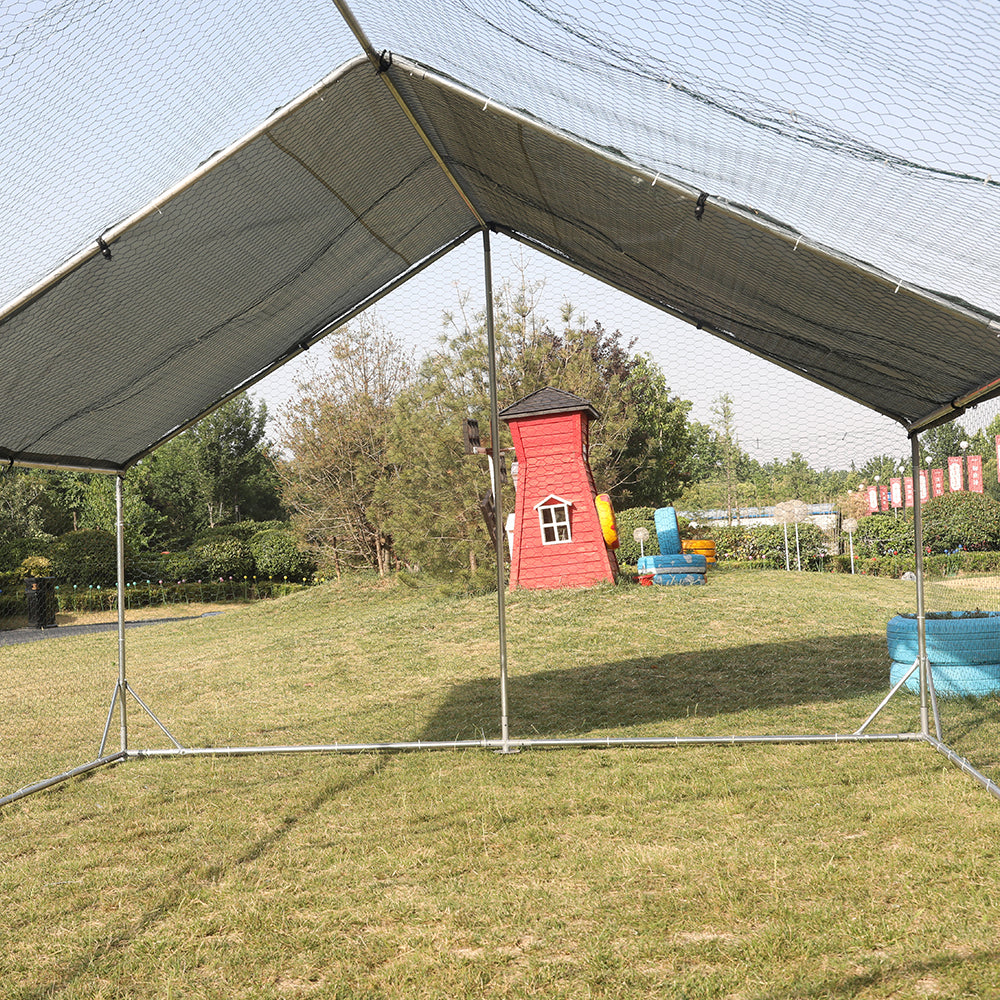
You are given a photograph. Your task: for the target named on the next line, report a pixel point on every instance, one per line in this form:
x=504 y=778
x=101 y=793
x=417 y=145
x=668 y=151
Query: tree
x=142 y=523
x=638 y=450
x=334 y=434
x=724 y=472
x=21 y=513
x=943 y=442
x=220 y=471
x=173 y=487
x=236 y=475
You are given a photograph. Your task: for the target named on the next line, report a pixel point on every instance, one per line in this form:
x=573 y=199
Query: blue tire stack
x=672 y=567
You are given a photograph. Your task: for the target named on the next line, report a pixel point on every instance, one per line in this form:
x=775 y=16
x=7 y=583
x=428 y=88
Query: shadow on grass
x=647 y=690
x=921 y=976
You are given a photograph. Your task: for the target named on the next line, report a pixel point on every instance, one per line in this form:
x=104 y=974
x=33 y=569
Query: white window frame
x=554 y=520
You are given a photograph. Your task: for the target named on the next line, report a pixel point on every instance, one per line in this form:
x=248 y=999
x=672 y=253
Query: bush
x=35 y=566
x=277 y=554
x=183 y=566
x=14 y=550
x=935 y=566
x=225 y=557
x=881 y=534
x=242 y=530
x=964 y=520
x=765 y=545
x=628 y=520
x=87 y=558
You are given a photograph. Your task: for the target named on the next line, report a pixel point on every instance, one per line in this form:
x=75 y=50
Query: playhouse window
x=554 y=521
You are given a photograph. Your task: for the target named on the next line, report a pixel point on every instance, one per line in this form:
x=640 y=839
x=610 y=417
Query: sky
x=109 y=102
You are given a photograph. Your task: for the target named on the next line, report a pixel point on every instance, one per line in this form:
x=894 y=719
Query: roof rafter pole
x=499 y=533
x=382 y=69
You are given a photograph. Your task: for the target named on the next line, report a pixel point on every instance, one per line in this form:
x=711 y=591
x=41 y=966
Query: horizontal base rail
x=501 y=745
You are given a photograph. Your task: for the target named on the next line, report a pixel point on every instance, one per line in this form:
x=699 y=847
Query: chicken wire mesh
x=870 y=130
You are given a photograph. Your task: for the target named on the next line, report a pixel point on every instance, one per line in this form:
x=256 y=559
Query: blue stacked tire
x=673 y=563
x=952 y=638
x=667 y=532
x=675 y=579
x=963 y=650
x=959 y=680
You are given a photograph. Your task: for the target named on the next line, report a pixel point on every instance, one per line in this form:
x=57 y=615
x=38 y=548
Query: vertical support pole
x=918 y=548
x=491 y=350
x=120 y=525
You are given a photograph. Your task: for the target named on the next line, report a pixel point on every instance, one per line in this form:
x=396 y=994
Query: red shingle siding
x=550 y=460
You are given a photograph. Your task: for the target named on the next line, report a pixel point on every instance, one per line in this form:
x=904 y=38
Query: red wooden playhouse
x=557 y=538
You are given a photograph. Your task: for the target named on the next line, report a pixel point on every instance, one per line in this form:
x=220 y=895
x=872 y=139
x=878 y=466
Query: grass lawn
x=736 y=872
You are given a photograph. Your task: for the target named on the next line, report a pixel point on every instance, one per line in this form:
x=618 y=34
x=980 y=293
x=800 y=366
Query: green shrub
x=276 y=554
x=969 y=521
x=881 y=534
x=935 y=566
x=14 y=550
x=225 y=557
x=628 y=520
x=765 y=545
x=242 y=530
x=186 y=565
x=35 y=566
x=87 y=558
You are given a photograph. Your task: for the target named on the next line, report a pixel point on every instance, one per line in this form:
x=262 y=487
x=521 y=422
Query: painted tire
x=950 y=641
x=674 y=579
x=951 y=680
x=606 y=515
x=665 y=520
x=702 y=546
x=678 y=563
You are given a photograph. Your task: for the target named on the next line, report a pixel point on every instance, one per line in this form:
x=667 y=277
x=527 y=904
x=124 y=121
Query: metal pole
x=918 y=546
x=491 y=350
x=120 y=501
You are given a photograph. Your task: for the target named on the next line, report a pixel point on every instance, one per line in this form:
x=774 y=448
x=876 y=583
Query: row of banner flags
x=898 y=492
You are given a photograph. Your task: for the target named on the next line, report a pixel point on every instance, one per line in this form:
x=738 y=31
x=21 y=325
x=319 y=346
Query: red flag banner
x=937 y=482
x=976 y=473
x=955 y=474
x=883 y=496
x=872 y=499
x=923 y=485
x=896 y=492
x=908 y=490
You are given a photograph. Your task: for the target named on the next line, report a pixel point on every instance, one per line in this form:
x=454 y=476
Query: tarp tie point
x=105 y=249
x=699 y=206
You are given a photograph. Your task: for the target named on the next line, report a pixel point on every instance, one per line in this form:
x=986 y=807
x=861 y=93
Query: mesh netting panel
x=314 y=562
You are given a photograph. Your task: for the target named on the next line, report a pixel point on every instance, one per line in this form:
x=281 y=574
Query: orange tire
x=702 y=546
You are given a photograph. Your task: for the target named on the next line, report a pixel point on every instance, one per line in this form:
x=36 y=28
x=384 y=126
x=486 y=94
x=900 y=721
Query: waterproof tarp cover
x=338 y=195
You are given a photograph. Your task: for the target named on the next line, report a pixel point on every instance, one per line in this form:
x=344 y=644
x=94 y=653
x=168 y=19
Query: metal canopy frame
x=506 y=744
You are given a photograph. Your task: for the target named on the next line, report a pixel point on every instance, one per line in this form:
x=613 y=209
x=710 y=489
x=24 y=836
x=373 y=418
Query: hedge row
x=149 y=593
x=935 y=566
x=90 y=558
